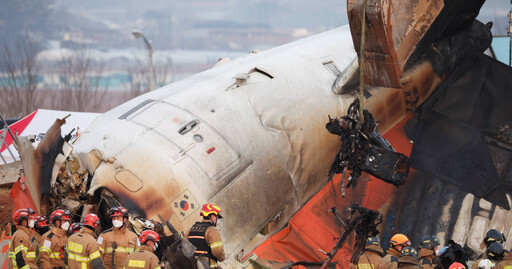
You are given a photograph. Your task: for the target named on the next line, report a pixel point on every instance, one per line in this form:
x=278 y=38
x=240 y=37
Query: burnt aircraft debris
x=178 y=252
x=363 y=149
x=459 y=133
x=362 y=221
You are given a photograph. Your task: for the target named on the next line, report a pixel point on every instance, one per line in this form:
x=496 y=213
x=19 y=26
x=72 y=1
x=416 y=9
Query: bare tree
x=18 y=82
x=163 y=73
x=83 y=85
x=138 y=78
x=139 y=74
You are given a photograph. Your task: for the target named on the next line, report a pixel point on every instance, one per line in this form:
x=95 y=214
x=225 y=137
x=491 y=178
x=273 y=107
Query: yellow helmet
x=211 y=208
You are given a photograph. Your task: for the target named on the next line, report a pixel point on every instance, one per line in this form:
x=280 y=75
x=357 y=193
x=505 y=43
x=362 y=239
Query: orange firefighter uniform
x=506 y=263
x=143 y=258
x=52 y=251
x=35 y=240
x=371 y=259
x=409 y=262
x=120 y=241
x=83 y=250
x=426 y=256
x=206 y=237
x=19 y=255
x=391 y=258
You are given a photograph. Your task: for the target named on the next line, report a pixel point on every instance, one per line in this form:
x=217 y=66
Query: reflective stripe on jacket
x=83 y=250
x=52 y=251
x=124 y=241
x=34 y=250
x=142 y=259
x=19 y=256
x=207 y=240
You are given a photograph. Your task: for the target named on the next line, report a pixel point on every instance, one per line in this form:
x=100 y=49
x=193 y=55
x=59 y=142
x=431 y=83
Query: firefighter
x=74 y=228
x=117 y=243
x=41 y=226
x=144 y=257
x=53 y=250
x=427 y=251
x=206 y=237
x=372 y=256
x=485 y=264
x=409 y=259
x=83 y=251
x=457 y=265
x=396 y=244
x=505 y=263
x=495 y=252
x=491 y=236
x=19 y=256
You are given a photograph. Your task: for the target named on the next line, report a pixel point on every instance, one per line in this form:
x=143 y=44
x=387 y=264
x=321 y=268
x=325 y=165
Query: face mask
x=155 y=247
x=31 y=224
x=65 y=225
x=117 y=223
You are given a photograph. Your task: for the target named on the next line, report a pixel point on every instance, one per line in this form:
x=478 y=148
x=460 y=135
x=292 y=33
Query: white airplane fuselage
x=259 y=149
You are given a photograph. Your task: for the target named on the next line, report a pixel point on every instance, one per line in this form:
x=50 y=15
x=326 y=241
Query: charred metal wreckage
x=360 y=220
x=189 y=141
x=363 y=149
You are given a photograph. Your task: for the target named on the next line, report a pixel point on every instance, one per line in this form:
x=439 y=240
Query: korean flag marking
x=184 y=205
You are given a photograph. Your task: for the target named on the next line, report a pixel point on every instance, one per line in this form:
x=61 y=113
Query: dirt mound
x=6 y=205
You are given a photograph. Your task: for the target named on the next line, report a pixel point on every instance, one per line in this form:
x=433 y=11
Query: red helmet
x=75 y=227
x=41 y=221
x=21 y=215
x=61 y=215
x=457 y=265
x=92 y=220
x=149 y=235
x=118 y=211
x=211 y=208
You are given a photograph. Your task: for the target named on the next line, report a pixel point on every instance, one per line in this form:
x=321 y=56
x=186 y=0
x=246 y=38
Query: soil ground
x=6 y=205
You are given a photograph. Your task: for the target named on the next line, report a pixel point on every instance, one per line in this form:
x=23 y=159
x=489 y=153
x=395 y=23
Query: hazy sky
x=317 y=14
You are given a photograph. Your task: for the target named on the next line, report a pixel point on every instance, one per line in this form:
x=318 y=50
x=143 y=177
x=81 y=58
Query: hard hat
x=92 y=220
x=75 y=227
x=61 y=215
x=373 y=241
x=21 y=215
x=149 y=235
x=485 y=264
x=41 y=221
x=409 y=251
x=429 y=241
x=31 y=212
x=211 y=208
x=400 y=239
x=457 y=265
x=437 y=242
x=494 y=236
x=118 y=211
x=495 y=251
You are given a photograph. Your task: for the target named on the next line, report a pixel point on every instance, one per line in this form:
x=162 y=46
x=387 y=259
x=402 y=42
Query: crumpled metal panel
x=393 y=30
